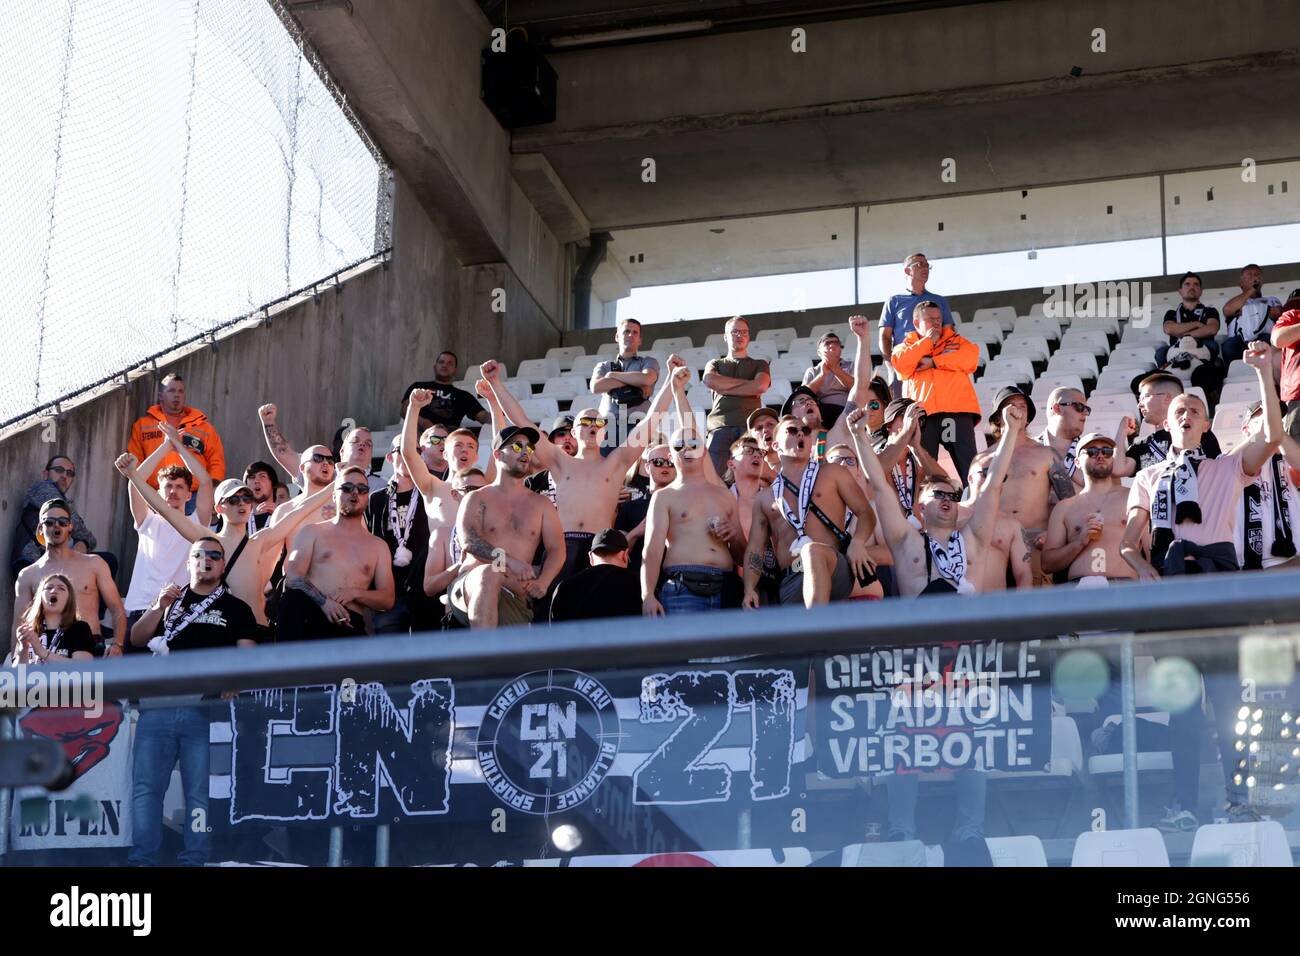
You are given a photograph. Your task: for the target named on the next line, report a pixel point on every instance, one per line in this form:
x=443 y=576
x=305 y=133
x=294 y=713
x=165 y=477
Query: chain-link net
x=171 y=165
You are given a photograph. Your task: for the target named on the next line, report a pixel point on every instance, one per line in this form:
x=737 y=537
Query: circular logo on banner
x=547 y=740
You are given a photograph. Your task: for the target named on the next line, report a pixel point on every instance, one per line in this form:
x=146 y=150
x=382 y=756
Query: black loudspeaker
x=518 y=85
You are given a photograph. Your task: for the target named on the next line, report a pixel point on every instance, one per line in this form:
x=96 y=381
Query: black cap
x=897 y=407
x=1006 y=394
x=562 y=423
x=609 y=540
x=799 y=390
x=510 y=431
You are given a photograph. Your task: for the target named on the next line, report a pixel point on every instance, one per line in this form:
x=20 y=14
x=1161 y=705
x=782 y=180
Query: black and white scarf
x=175 y=622
x=806 y=484
x=950 y=559
x=1176 y=498
x=1253 y=505
x=903 y=474
x=1071 y=453
x=399 y=525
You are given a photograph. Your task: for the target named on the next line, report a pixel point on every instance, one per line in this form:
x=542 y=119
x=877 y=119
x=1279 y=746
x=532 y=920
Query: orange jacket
x=197 y=432
x=946 y=387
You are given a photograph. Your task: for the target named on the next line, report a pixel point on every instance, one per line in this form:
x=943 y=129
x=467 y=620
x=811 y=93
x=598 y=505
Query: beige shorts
x=511 y=609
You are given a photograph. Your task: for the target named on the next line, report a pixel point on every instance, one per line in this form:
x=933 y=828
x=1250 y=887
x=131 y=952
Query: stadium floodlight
x=566 y=838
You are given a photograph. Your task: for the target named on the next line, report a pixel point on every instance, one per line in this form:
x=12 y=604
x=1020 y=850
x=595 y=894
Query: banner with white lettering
x=95 y=810
x=950 y=706
x=517 y=753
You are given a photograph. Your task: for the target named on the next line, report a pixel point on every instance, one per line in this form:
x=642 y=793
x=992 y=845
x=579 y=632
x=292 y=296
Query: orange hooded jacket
x=196 y=431
x=947 y=387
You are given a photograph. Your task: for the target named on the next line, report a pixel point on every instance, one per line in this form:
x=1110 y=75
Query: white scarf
x=950 y=559
x=400 y=526
x=174 y=623
x=805 y=499
x=1071 y=453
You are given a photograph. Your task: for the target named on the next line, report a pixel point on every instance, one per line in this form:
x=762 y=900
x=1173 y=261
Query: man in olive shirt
x=738 y=383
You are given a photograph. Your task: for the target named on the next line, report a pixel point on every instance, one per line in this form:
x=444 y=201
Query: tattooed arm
x=295 y=576
x=469 y=523
x=276 y=443
x=759 y=533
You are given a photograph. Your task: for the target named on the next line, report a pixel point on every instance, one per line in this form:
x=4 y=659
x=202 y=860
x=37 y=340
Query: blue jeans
x=903 y=789
x=677 y=598
x=162 y=737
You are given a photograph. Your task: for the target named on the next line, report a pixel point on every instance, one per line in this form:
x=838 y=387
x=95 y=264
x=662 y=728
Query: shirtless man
x=91 y=580
x=587 y=485
x=500 y=527
x=337 y=572
x=747 y=472
x=846 y=457
x=1085 y=532
x=693 y=534
x=433 y=450
x=245 y=554
x=942 y=559
x=442 y=566
x=1037 y=473
x=806 y=550
x=1067 y=414
x=1007 y=549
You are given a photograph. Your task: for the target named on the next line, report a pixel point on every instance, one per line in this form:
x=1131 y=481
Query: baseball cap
x=1006 y=394
x=897 y=407
x=228 y=488
x=762 y=411
x=561 y=423
x=1091 y=437
x=799 y=390
x=610 y=539
x=55 y=503
x=510 y=431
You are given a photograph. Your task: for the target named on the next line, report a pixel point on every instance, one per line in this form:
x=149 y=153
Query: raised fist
x=859 y=325
x=681 y=375
x=126 y=463
x=421 y=397
x=1128 y=426
x=491 y=370
x=1257 y=355
x=855 y=416
x=1013 y=416
x=675 y=361
x=482 y=389
x=267 y=413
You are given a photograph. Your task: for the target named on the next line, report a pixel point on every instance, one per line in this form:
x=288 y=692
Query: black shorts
x=302 y=619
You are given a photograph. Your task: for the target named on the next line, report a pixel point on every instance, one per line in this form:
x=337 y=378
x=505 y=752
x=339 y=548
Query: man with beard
x=199 y=434
x=1085 y=532
x=202 y=615
x=1155 y=392
x=941 y=559
x=500 y=527
x=449 y=405
x=91 y=579
x=433 y=451
x=261 y=481
x=803 y=519
x=337 y=572
x=245 y=554
x=396 y=514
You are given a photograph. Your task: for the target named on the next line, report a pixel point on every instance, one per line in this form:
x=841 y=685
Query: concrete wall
x=349 y=355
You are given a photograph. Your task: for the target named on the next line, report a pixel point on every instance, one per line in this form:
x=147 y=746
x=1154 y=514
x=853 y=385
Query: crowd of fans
x=627 y=507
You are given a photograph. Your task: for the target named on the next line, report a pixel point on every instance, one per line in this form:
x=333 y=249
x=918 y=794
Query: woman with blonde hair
x=50 y=628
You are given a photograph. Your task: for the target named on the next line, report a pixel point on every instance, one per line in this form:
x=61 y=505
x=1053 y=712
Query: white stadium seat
x=669 y=345
x=1034 y=346
x=1019 y=368
x=763 y=350
x=804 y=345
x=1133 y=356
x=1120 y=848
x=1241 y=844
x=778 y=393
x=537 y=370
x=607 y=350
x=1082 y=363
x=956 y=316
x=782 y=337
x=1228 y=419
x=1005 y=316
x=584 y=365
x=1094 y=340
x=716 y=343
x=1122 y=403
x=789 y=368
x=1016 y=851
x=1048 y=328
x=839 y=328
x=989 y=332
x=542 y=409
x=1239 y=371
x=563 y=387
x=1280 y=290
x=1235 y=392
x=564 y=355
x=1049 y=381
x=698 y=358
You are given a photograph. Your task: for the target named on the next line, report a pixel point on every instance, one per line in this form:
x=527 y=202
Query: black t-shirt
x=605 y=590
x=1202 y=313
x=75 y=637
x=409 y=579
x=540 y=483
x=226 y=621
x=449 y=405
x=1155 y=447
x=630 y=514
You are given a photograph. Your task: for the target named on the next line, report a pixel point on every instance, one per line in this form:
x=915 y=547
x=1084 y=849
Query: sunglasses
x=797 y=430
x=434 y=440
x=210 y=555
x=57 y=522
x=521 y=447
x=60 y=470
x=848 y=460
x=1077 y=406
x=589 y=422
x=318 y=458
x=662 y=463
x=1099 y=452
x=953 y=496
x=348 y=488
x=238 y=500
x=691 y=443
x=874 y=405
